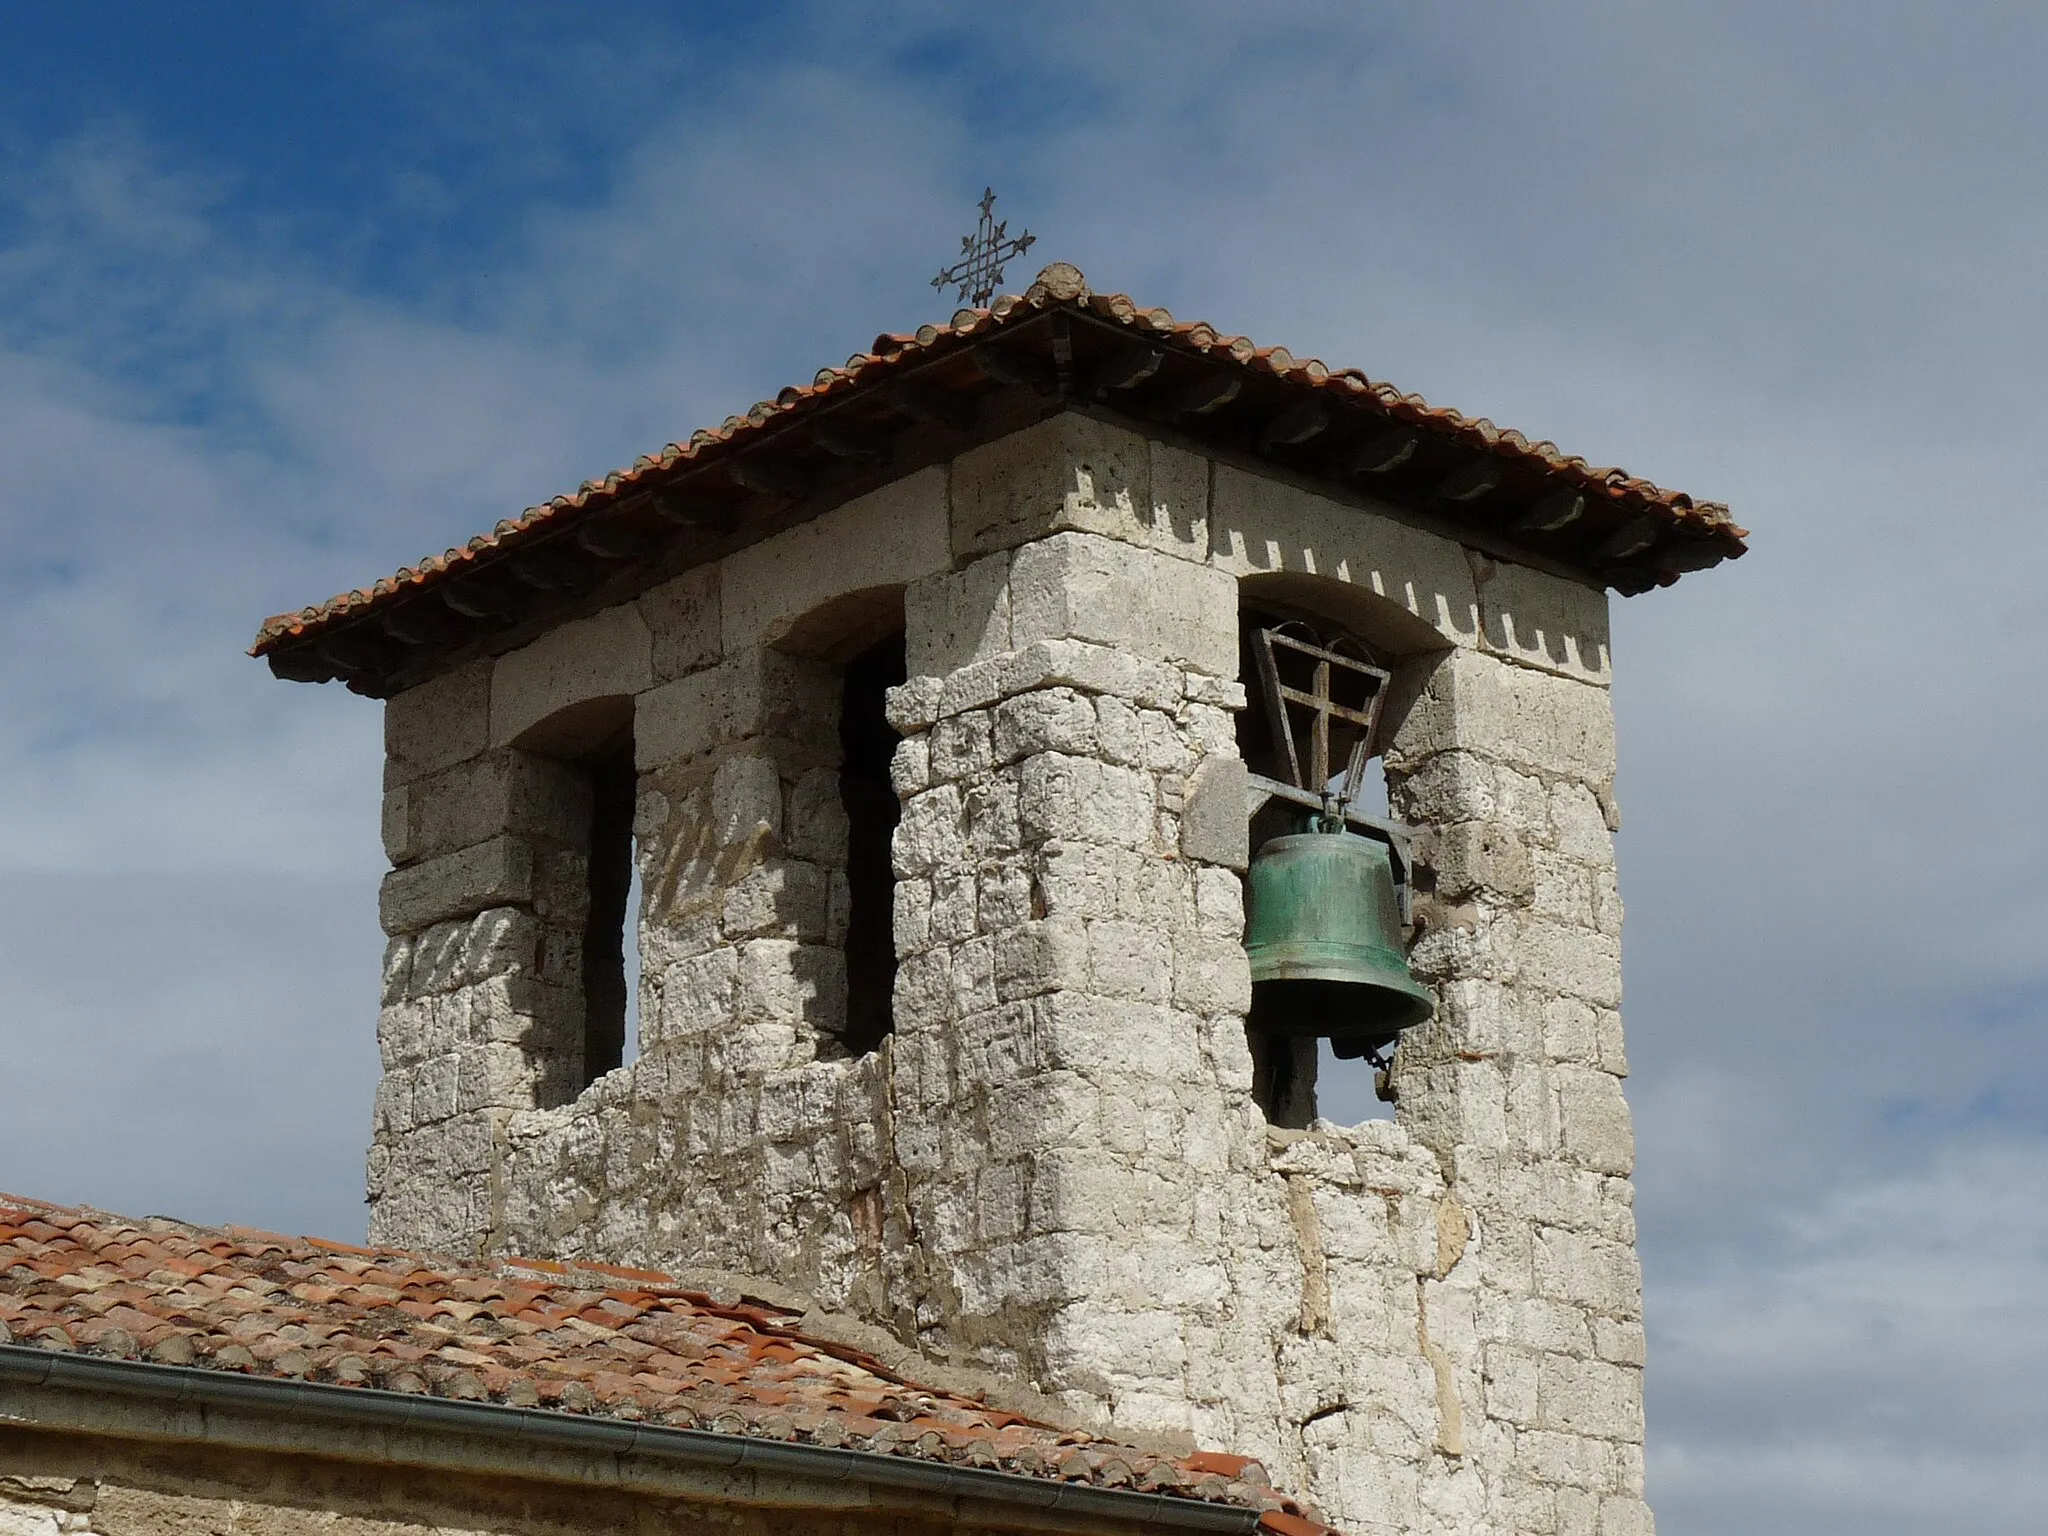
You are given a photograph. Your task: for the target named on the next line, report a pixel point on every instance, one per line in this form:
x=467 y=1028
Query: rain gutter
x=178 y=1386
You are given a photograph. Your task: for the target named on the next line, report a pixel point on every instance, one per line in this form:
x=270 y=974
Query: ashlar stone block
x=817 y=818
x=503 y=790
x=1210 y=975
x=1128 y=960
x=1213 y=824
x=608 y=655
x=1073 y=472
x=1478 y=856
x=436 y=724
x=960 y=745
x=395 y=826
x=1087 y=587
x=784 y=899
x=1562 y=1460
x=746 y=801
x=1593 y=1272
x=1543 y=621
x=1619 y=1342
x=878 y=543
x=930 y=833
x=953 y=619
x=1093 y=668
x=1625 y=1515
x=1511 y=1384
x=791 y=701
x=1580 y=825
x=1037 y=957
x=1536 y=721
x=1594 y=1118
x=1571 y=962
x=1590 y=1397
x=494 y=874
x=683 y=623
x=910 y=769
x=1089 y=801
x=678 y=720
x=1047 y=720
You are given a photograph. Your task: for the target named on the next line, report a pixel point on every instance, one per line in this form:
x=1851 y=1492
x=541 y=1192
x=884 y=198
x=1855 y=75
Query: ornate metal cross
x=980 y=268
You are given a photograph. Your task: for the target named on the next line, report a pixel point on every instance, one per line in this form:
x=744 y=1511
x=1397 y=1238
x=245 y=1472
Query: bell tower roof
x=922 y=398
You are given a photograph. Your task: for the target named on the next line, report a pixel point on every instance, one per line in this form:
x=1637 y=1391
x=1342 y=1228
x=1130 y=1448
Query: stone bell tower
x=912 y=705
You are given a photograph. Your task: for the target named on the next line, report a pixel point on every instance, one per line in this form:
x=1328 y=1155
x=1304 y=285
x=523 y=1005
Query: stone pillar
x=1069 y=943
x=1516 y=1085
x=743 y=1136
x=482 y=1004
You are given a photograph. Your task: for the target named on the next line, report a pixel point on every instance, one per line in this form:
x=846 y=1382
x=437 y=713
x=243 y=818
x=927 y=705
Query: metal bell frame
x=1310 y=786
x=1286 y=655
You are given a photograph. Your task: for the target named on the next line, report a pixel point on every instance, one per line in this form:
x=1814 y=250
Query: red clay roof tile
x=275 y=1306
x=1705 y=527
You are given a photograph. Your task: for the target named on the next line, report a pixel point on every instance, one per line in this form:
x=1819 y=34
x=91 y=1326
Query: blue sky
x=291 y=295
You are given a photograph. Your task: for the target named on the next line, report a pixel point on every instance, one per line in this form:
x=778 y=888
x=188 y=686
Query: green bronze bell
x=1323 y=930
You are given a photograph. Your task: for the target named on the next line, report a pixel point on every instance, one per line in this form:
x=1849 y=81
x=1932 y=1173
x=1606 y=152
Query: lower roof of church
x=582 y=1339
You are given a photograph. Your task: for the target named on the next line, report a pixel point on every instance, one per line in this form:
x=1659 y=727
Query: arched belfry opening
x=590 y=925
x=868 y=744
x=1327 y=896
x=857 y=640
x=610 y=932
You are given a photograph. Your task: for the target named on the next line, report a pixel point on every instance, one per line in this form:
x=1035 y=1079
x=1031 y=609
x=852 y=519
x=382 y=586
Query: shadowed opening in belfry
x=868 y=743
x=1291 y=1068
x=593 y=742
x=608 y=931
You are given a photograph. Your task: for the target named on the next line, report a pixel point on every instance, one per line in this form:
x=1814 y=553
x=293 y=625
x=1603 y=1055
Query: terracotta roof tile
x=239 y=1300
x=1699 y=531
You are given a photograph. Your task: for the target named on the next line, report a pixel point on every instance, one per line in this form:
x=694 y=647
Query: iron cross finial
x=982 y=254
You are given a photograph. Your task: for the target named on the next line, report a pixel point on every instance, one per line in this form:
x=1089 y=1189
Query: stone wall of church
x=134 y=1478
x=1054 y=1171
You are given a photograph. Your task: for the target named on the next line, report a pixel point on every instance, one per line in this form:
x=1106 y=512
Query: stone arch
x=1406 y=645
x=855 y=640
x=1287 y=1070
x=842 y=627
x=583 y=758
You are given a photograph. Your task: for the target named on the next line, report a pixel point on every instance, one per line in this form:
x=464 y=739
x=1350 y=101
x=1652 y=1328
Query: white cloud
x=194 y=1045
x=1874 y=1364
x=1784 y=258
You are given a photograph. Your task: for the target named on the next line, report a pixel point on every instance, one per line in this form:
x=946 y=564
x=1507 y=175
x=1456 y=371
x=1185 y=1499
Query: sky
x=292 y=295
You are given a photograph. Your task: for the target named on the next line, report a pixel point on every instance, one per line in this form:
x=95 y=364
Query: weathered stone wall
x=1055 y=1170
x=741 y=843
x=54 y=1483
x=1503 y=750
x=1516 y=1084
x=482 y=1012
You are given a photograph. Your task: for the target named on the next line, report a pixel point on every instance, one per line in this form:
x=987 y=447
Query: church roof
x=589 y=1340
x=922 y=398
